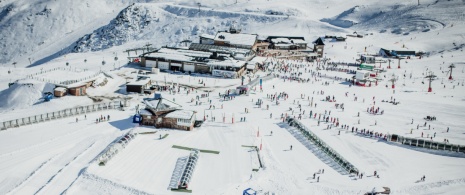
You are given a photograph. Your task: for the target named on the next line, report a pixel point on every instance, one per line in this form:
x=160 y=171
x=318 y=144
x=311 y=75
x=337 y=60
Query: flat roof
x=181 y=114
x=236 y=39
x=230 y=63
x=207 y=36
x=139 y=82
x=217 y=48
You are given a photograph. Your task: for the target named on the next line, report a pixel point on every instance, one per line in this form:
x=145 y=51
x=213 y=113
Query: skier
x=291 y=147
x=318 y=179
x=76 y=120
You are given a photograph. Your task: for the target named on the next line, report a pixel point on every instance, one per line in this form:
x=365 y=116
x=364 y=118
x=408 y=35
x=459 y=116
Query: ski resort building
x=200 y=58
x=163 y=113
x=59 y=91
x=287 y=43
x=207 y=39
x=139 y=85
x=78 y=90
x=395 y=53
x=230 y=39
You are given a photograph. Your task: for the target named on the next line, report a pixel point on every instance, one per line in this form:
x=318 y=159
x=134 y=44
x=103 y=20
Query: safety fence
x=257 y=80
x=36 y=76
x=337 y=158
x=428 y=144
x=68 y=112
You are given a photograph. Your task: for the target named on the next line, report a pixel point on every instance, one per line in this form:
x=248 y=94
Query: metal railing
x=68 y=112
x=428 y=144
x=337 y=158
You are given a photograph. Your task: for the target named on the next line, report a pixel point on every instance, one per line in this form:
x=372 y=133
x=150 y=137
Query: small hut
x=59 y=91
x=78 y=91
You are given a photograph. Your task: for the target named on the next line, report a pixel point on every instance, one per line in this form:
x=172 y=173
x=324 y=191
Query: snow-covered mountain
x=36 y=29
x=36 y=32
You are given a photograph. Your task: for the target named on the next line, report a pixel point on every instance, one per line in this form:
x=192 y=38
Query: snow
x=59 y=156
x=182 y=114
x=240 y=39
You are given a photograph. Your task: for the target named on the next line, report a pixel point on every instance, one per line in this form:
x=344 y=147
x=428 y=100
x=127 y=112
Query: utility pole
x=430 y=77
x=199 y=8
x=451 y=67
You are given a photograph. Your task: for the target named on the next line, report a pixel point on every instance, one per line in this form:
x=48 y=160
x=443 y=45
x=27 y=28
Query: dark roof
x=387 y=52
x=405 y=53
x=319 y=41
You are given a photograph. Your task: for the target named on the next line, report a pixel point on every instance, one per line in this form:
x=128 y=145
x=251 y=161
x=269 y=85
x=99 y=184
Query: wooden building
x=78 y=91
x=179 y=119
x=163 y=113
x=59 y=91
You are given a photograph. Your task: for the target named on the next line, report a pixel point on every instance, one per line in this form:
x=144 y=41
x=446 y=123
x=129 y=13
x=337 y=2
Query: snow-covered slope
x=401 y=18
x=37 y=29
x=154 y=23
x=23 y=94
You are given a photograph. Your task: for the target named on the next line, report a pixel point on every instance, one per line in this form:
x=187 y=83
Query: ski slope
x=59 y=157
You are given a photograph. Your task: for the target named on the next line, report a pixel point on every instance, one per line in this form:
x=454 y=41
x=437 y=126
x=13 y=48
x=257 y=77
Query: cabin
x=140 y=85
x=78 y=90
x=59 y=91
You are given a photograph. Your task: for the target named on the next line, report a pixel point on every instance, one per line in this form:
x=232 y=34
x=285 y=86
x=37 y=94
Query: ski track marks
x=65 y=167
x=52 y=168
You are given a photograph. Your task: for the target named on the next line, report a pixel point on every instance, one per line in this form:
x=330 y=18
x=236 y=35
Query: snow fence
x=343 y=163
x=68 y=112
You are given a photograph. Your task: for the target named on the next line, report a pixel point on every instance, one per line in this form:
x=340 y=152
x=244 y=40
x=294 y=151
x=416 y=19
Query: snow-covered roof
x=207 y=36
x=298 y=41
x=236 y=39
x=152 y=103
x=145 y=112
x=218 y=48
x=171 y=56
x=62 y=89
x=281 y=40
x=161 y=104
x=283 y=44
x=139 y=82
x=181 y=114
x=227 y=63
x=250 y=66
